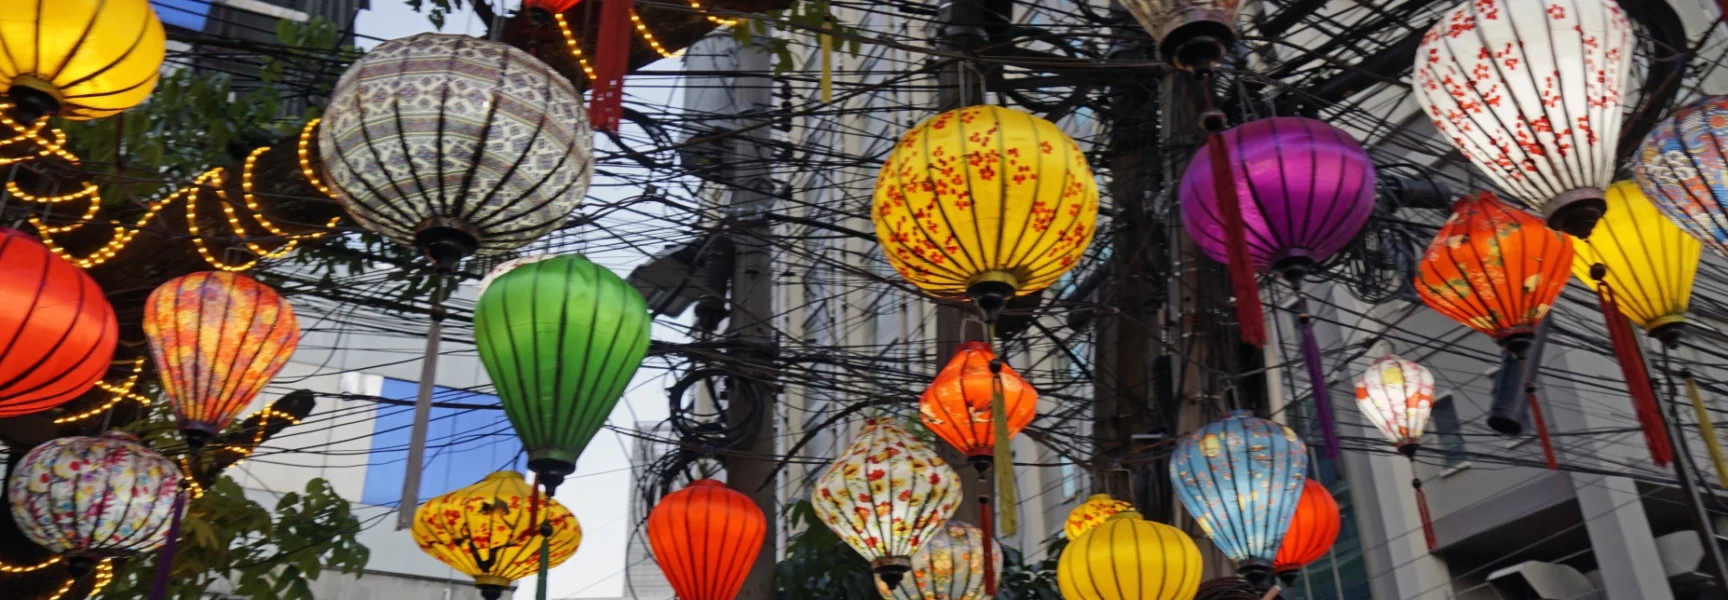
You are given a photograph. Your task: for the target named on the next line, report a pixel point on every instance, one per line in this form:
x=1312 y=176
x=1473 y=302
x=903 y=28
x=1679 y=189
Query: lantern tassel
x=1706 y=428
x=1250 y=317
x=165 y=560
x=987 y=526
x=1317 y=380
x=1632 y=368
x=1422 y=509
x=1542 y=429
x=1006 y=500
x=611 y=61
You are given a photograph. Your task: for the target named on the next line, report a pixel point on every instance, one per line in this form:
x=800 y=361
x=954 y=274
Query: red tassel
x=1250 y=319
x=1637 y=378
x=1542 y=432
x=987 y=523
x=1422 y=508
x=611 y=61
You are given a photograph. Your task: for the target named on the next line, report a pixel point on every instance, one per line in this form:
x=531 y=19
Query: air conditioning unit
x=1537 y=580
x=1682 y=555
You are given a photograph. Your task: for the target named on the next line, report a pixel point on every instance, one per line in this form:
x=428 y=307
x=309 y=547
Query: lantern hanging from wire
x=1130 y=558
x=705 y=538
x=1279 y=194
x=1092 y=513
x=886 y=496
x=1241 y=477
x=84 y=59
x=985 y=203
x=1194 y=35
x=58 y=329
x=561 y=338
x=1682 y=168
x=1397 y=395
x=217 y=339
x=1313 y=529
x=1494 y=269
x=490 y=531
x=1531 y=93
x=949 y=567
x=94 y=498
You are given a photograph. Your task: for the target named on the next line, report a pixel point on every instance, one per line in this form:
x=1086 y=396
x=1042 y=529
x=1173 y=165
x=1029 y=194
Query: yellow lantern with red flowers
x=490 y=531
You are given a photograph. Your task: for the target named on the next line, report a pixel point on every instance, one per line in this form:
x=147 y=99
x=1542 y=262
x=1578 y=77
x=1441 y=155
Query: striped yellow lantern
x=1130 y=558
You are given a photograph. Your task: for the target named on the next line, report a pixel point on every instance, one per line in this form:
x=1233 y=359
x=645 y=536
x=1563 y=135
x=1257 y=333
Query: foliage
x=819 y=564
x=805 y=17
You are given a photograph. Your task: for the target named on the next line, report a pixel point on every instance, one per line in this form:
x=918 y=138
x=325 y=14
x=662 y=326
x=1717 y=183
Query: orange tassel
x=1250 y=318
x=1637 y=378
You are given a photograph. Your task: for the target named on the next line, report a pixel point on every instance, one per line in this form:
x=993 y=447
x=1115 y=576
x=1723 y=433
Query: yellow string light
x=575 y=48
x=104 y=576
x=303 y=148
x=5 y=568
x=186 y=474
x=12 y=188
x=63 y=589
x=642 y=28
x=716 y=20
x=121 y=391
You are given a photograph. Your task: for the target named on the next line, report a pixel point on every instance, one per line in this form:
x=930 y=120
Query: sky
x=599 y=492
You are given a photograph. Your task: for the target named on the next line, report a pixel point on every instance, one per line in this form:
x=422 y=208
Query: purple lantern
x=1304 y=188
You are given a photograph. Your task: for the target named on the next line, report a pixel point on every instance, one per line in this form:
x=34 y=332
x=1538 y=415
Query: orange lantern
x=217 y=337
x=1495 y=269
x=705 y=538
x=957 y=405
x=1313 y=530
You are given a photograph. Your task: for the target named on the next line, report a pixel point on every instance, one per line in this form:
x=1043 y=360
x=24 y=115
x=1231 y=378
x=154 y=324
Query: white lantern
x=1531 y=93
x=456 y=145
x=886 y=496
x=1396 y=395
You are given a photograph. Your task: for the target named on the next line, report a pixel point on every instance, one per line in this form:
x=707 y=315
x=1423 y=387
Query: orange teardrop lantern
x=1313 y=529
x=957 y=405
x=217 y=338
x=1496 y=269
x=705 y=538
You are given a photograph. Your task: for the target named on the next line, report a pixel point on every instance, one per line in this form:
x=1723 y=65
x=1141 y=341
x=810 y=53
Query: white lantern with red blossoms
x=886 y=496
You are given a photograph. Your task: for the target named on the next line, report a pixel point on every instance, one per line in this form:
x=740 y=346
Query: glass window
x=1070 y=481
x=1446 y=427
x=463 y=444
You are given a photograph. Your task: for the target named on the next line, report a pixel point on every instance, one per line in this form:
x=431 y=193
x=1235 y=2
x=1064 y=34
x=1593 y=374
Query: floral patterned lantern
x=94 y=498
x=1241 y=477
x=887 y=495
x=1531 y=93
x=1313 y=529
x=949 y=567
x=1130 y=558
x=705 y=537
x=1092 y=513
x=986 y=203
x=60 y=311
x=1396 y=395
x=1495 y=270
x=490 y=531
x=1683 y=168
x=217 y=338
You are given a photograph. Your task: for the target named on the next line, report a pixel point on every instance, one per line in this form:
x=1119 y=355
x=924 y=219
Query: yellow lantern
x=1650 y=261
x=1130 y=558
x=490 y=531
x=80 y=59
x=1092 y=513
x=985 y=202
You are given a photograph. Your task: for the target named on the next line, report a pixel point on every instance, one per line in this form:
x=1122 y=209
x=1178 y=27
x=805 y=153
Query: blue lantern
x=1241 y=477
x=1683 y=169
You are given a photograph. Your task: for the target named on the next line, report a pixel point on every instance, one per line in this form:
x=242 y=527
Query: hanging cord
x=545 y=531
x=165 y=559
x=1321 y=391
x=1530 y=371
x=1631 y=361
x=1250 y=316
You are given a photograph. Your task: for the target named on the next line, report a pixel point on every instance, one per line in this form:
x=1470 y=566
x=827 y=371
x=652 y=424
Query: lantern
x=1650 y=262
x=1091 y=513
x=1494 y=269
x=1313 y=529
x=488 y=531
x=985 y=202
x=1683 y=169
x=1130 y=558
x=1241 y=478
x=705 y=537
x=544 y=9
x=1396 y=395
x=561 y=339
x=455 y=145
x=949 y=567
x=957 y=405
x=1227 y=588
x=91 y=499
x=58 y=329
x=1530 y=92
x=84 y=59
x=1279 y=194
x=886 y=496
x=1191 y=34
x=217 y=338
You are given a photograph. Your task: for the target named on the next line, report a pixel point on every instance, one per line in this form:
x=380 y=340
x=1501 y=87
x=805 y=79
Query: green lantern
x=561 y=338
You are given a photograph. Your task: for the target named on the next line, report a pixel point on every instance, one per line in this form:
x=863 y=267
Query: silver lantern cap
x=1191 y=34
x=456 y=145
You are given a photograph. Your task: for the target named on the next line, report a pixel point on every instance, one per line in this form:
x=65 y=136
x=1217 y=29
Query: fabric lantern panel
x=1682 y=168
x=956 y=406
x=1130 y=558
x=80 y=59
x=1396 y=395
x=490 y=531
x=94 y=498
x=949 y=567
x=1092 y=513
x=1531 y=93
x=217 y=338
x=705 y=537
x=1241 y=478
x=886 y=496
x=58 y=329
x=1313 y=529
x=1650 y=262
x=1494 y=269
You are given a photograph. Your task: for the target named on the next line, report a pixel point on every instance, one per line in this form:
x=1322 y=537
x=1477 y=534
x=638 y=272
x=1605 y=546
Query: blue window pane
x=462 y=444
x=188 y=14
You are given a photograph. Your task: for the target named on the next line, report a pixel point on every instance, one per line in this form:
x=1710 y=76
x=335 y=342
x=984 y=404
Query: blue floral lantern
x=1241 y=478
x=1683 y=169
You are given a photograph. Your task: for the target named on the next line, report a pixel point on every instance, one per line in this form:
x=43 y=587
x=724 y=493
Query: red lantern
x=957 y=405
x=705 y=538
x=57 y=331
x=552 y=7
x=1313 y=529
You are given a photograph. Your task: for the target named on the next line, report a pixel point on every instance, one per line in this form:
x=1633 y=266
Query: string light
x=303 y=147
x=575 y=48
x=104 y=576
x=716 y=20
x=12 y=188
x=264 y=415
x=191 y=482
x=120 y=392
x=642 y=28
x=5 y=568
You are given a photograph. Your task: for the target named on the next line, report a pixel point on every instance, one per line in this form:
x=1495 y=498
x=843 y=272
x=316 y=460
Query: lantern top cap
x=706 y=482
x=973 y=346
x=1124 y=515
x=115 y=434
x=505 y=475
x=1238 y=414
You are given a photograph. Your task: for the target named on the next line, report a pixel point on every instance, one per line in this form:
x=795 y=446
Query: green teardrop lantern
x=561 y=338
